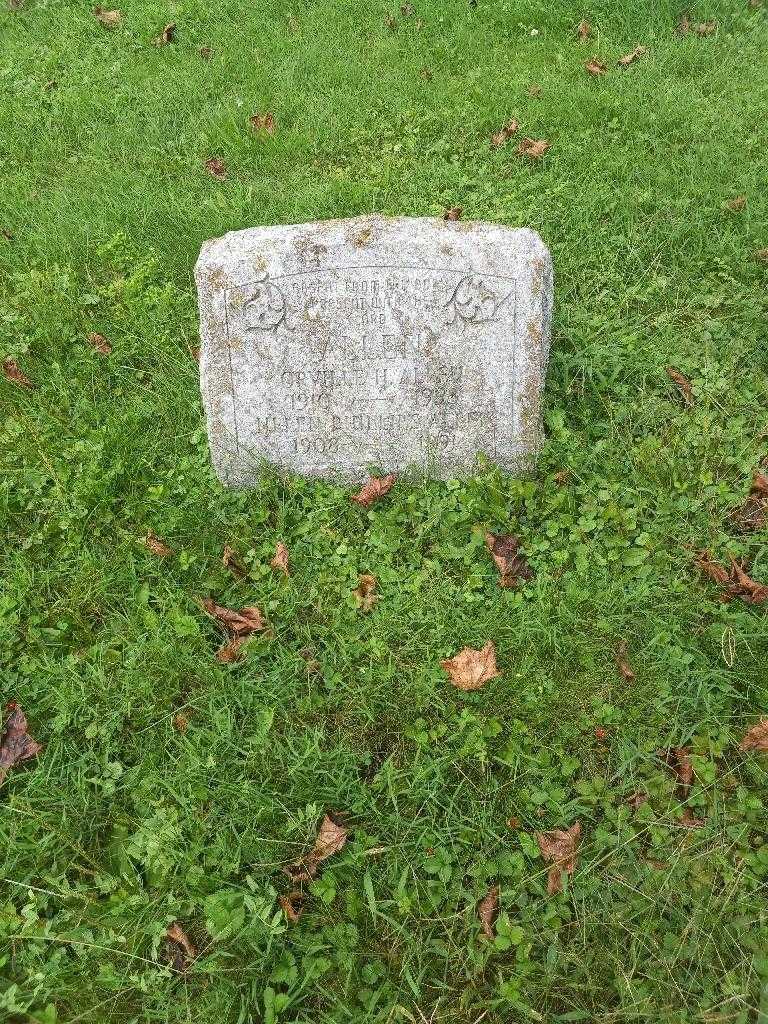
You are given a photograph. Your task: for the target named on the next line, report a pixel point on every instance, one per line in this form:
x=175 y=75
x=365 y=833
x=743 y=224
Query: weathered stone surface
x=335 y=347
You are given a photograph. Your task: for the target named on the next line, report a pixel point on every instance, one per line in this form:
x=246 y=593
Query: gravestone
x=332 y=348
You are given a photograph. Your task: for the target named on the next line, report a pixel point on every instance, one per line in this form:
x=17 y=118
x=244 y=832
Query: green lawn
x=127 y=821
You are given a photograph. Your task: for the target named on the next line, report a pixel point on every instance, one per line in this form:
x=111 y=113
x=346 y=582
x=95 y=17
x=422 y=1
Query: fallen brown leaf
x=263 y=123
x=561 y=477
x=281 y=562
x=313 y=665
x=180 y=949
x=534 y=91
x=406 y=9
x=743 y=586
x=488 y=911
x=168 y=35
x=292 y=905
x=109 y=19
x=13 y=373
x=637 y=800
x=684 y=25
x=238 y=624
x=452 y=213
x=9 y=235
x=373 y=489
x=15 y=5
x=153 y=543
x=737 y=203
x=504 y=134
x=331 y=837
x=583 y=30
x=419 y=24
x=205 y=52
x=752 y=514
x=216 y=166
x=679 y=761
x=230 y=561
x=761 y=255
x=365 y=594
x=705 y=28
x=683 y=384
x=16 y=744
x=426 y=74
x=560 y=848
x=622 y=664
x=510 y=560
x=534 y=149
x=595 y=66
x=99 y=343
x=632 y=56
x=292 y=25
x=390 y=23
x=711 y=568
x=180 y=722
x=470 y=669
x=756 y=737
x=195 y=353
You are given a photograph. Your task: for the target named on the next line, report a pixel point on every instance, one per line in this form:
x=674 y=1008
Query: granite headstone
x=333 y=348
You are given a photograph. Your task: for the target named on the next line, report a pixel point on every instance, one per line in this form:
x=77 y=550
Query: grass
x=124 y=823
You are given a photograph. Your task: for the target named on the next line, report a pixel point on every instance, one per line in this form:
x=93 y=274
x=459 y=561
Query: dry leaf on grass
x=534 y=91
x=622 y=664
x=637 y=800
x=510 y=560
x=365 y=594
x=504 y=134
x=373 y=489
x=752 y=514
x=761 y=255
x=99 y=343
x=683 y=384
x=230 y=561
x=205 y=52
x=595 y=67
x=743 y=586
x=180 y=949
x=216 y=167
x=330 y=839
x=684 y=25
x=470 y=669
x=168 y=35
x=153 y=543
x=263 y=123
x=238 y=624
x=13 y=373
x=534 y=149
x=735 y=582
x=16 y=744
x=737 y=203
x=406 y=9
x=583 y=30
x=705 y=28
x=390 y=22
x=292 y=905
x=180 y=722
x=109 y=19
x=452 y=213
x=488 y=911
x=756 y=737
x=426 y=74
x=632 y=56
x=281 y=562
x=9 y=235
x=679 y=761
x=560 y=849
